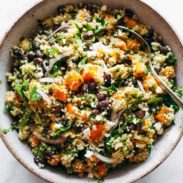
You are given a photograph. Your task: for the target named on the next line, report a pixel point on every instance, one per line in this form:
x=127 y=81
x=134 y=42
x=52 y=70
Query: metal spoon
x=174 y=96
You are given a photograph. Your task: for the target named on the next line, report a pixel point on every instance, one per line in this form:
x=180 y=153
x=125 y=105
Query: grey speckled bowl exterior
x=165 y=145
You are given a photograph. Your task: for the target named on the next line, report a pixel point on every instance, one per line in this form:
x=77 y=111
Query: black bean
x=92 y=85
x=17 y=53
x=84 y=88
x=64 y=29
x=107 y=79
x=129 y=13
x=42 y=25
x=36 y=45
x=60 y=9
x=88 y=36
x=101 y=96
x=127 y=60
x=49 y=153
x=149 y=37
x=58 y=109
x=39 y=161
x=95 y=112
x=121 y=21
x=31 y=55
x=92 y=8
x=38 y=60
x=140 y=114
x=24 y=57
x=164 y=50
x=103 y=104
x=131 y=127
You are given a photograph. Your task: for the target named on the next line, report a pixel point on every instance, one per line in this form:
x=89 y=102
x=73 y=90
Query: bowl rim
x=21 y=160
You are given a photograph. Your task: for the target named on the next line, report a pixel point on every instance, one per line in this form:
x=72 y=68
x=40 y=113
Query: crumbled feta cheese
x=86 y=132
x=89 y=154
x=159 y=128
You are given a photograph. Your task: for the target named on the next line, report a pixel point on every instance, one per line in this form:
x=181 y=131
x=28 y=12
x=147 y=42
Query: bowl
x=24 y=27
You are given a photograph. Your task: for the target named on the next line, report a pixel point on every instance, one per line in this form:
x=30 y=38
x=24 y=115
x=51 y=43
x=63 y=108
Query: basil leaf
x=34 y=96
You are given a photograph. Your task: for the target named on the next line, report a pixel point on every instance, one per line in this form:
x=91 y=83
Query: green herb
x=7 y=130
x=8 y=108
x=25 y=85
x=0 y=81
x=178 y=91
x=79 y=30
x=171 y=59
x=60 y=131
x=52 y=52
x=82 y=62
x=100 y=181
x=34 y=96
x=155 y=100
x=168 y=101
x=88 y=27
x=57 y=65
x=39 y=153
x=111 y=88
x=25 y=118
x=99 y=30
x=102 y=21
x=19 y=90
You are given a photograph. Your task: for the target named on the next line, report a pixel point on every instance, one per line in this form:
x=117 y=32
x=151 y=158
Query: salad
x=81 y=93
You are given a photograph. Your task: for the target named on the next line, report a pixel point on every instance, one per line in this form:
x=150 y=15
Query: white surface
x=170 y=171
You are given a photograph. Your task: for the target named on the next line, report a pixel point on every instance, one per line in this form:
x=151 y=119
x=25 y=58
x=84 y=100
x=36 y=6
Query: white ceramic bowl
x=25 y=26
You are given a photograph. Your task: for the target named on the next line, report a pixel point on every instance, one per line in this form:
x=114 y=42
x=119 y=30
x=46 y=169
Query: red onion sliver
x=54 y=60
x=104 y=159
x=44 y=96
x=48 y=141
x=47 y=80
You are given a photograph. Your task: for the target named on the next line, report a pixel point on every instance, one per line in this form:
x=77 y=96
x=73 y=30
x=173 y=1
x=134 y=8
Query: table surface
x=170 y=171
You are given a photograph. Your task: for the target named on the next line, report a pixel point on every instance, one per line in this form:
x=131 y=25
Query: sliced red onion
x=48 y=141
x=104 y=159
x=57 y=58
x=47 y=80
x=55 y=31
x=44 y=96
x=140 y=85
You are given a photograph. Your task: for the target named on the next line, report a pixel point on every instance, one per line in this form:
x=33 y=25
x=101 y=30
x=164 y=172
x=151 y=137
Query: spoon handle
x=176 y=98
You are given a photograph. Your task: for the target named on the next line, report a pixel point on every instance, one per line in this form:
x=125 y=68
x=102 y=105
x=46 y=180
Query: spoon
x=174 y=96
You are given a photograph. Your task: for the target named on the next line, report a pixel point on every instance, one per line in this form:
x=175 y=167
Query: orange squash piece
x=33 y=140
x=73 y=80
x=54 y=160
x=161 y=116
x=133 y=44
x=102 y=170
x=97 y=134
x=73 y=110
x=139 y=70
x=60 y=92
x=130 y=22
x=168 y=72
x=90 y=72
x=121 y=45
